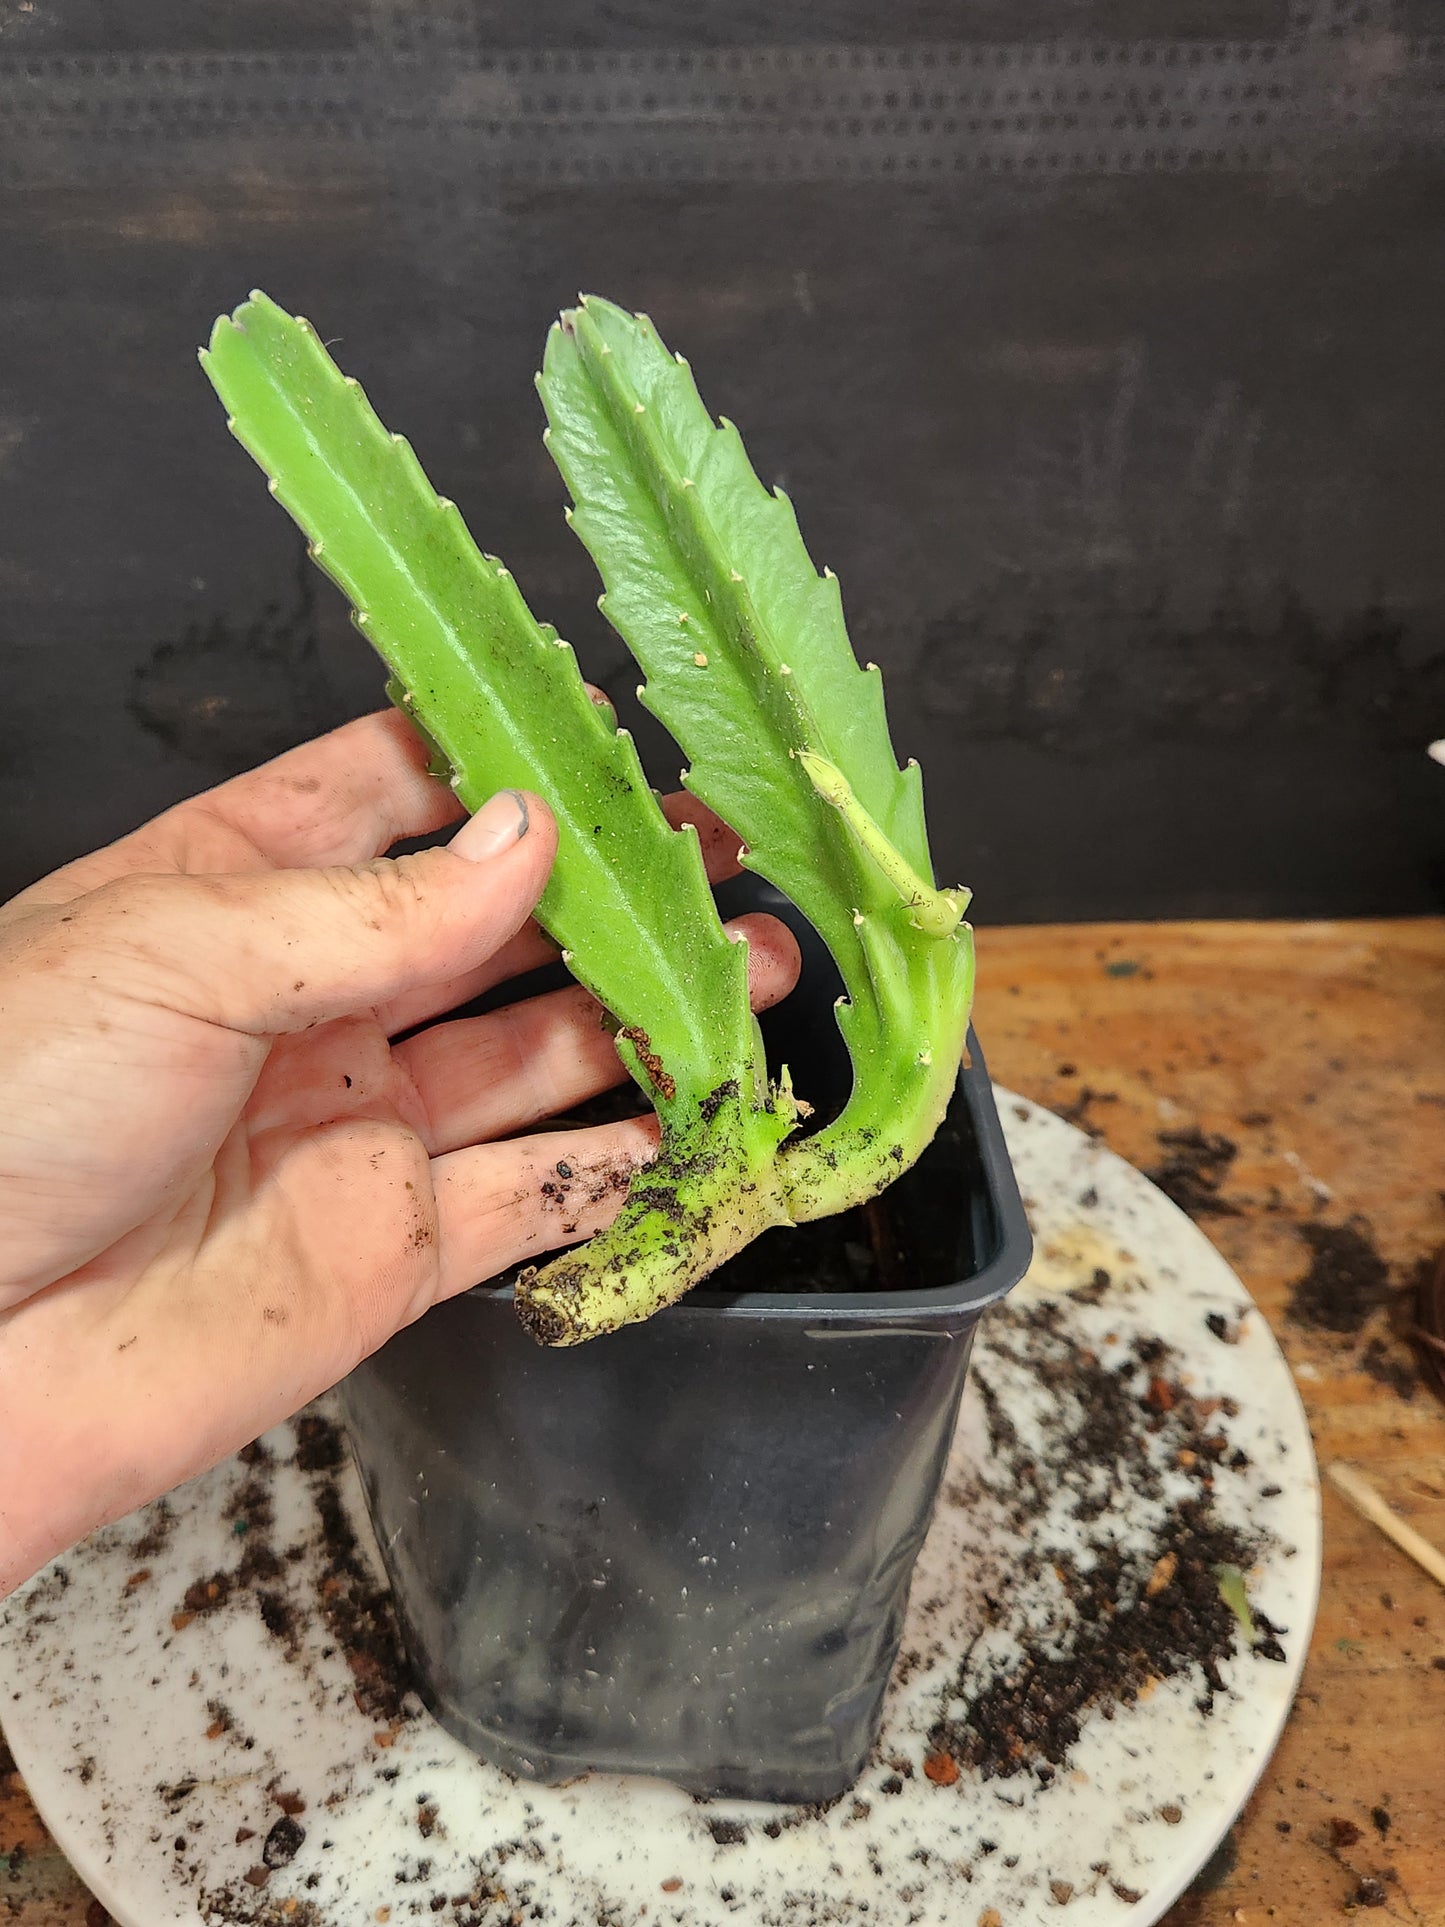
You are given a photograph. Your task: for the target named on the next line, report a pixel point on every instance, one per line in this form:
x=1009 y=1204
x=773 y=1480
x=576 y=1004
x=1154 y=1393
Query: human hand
x=221 y=1184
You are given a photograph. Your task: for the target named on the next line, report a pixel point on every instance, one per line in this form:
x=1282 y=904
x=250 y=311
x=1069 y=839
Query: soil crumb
x=1079 y=1111
x=1346 y=1282
x=320 y=1446
x=1192 y=1170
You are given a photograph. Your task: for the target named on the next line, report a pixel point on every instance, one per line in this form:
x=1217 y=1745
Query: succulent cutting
x=747 y=663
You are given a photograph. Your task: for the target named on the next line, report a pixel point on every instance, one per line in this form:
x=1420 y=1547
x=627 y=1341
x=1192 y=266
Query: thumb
x=282 y=950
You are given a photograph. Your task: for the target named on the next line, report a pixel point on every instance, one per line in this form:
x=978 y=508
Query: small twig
x=1368 y=1503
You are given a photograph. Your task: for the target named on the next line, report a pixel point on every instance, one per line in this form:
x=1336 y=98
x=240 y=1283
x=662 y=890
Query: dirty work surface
x=1317 y=1053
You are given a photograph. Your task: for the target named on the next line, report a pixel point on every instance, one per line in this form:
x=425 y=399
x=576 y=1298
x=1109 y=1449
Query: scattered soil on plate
x=160 y=1524
x=239 y=1905
x=1131 y=1614
x=1193 y=1169
x=319 y=1444
x=1346 y=1282
x=355 y=1610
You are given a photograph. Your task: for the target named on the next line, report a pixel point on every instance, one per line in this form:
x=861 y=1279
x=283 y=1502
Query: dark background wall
x=1098 y=342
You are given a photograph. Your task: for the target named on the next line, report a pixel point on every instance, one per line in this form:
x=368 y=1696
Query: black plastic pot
x=684 y=1550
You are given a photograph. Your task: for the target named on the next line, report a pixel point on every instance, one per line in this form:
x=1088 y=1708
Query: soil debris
x=207 y=1595
x=1378 y=1362
x=249 y=1508
x=1193 y=1169
x=1428 y=1328
x=355 y=1610
x=659 y=1076
x=1128 y=1611
x=283 y=1842
x=240 y=1904
x=358 y=1612
x=1078 y=1112
x=1346 y=1282
x=160 y=1524
x=320 y=1446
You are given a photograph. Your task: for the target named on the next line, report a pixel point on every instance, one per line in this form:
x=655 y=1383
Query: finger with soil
x=500 y=1205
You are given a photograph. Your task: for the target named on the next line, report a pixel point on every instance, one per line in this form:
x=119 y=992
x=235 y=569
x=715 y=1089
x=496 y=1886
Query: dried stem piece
x=1368 y=1503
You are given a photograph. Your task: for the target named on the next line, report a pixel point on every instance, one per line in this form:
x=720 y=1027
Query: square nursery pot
x=684 y=1550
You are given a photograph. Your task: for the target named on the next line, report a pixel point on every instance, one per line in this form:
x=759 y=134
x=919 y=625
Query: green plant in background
x=748 y=664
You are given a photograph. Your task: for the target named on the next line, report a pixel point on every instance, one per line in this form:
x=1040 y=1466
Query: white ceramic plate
x=164 y=1756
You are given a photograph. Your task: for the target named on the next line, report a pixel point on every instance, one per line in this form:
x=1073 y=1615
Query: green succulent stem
x=748 y=664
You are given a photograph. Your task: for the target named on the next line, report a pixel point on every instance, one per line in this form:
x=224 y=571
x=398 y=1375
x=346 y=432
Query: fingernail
x=501 y=821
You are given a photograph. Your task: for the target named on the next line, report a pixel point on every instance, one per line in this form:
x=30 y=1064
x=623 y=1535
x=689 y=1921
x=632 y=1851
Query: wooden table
x=1318 y=1052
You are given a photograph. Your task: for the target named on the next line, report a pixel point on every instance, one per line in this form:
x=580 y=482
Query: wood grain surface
x=1309 y=1059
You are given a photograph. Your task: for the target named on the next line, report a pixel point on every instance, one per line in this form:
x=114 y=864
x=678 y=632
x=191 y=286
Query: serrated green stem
x=937 y=913
x=749 y=666
x=499 y=699
x=902 y=1081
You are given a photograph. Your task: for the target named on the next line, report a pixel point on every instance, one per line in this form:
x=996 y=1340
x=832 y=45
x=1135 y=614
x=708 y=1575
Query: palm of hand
x=221 y=1182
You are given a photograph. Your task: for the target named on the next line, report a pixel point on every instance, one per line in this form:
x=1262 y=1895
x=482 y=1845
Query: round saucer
x=1106 y=1629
